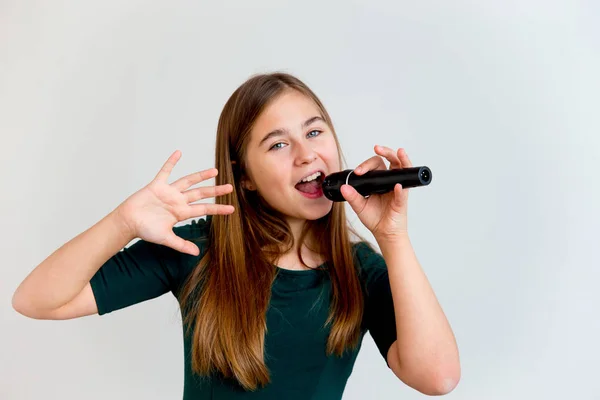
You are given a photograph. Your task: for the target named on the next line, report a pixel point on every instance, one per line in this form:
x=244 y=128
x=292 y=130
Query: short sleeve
x=145 y=270
x=379 y=306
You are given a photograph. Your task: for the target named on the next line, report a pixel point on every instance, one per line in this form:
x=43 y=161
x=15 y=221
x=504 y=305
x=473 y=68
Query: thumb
x=184 y=246
x=397 y=202
x=355 y=199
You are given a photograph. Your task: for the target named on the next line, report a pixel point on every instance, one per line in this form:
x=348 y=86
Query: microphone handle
x=375 y=182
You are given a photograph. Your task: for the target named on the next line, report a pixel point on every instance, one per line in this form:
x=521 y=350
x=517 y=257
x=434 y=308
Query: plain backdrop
x=500 y=99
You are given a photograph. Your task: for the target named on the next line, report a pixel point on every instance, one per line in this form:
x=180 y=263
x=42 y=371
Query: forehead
x=287 y=111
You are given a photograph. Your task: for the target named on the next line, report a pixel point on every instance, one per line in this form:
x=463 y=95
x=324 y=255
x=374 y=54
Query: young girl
x=275 y=297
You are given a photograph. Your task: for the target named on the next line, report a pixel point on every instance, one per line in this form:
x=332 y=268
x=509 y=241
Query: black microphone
x=375 y=182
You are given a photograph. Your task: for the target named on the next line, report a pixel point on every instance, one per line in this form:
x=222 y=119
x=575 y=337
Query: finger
x=184 y=246
x=207 y=192
x=201 y=209
x=355 y=199
x=406 y=163
x=390 y=155
x=372 y=163
x=397 y=196
x=168 y=166
x=184 y=183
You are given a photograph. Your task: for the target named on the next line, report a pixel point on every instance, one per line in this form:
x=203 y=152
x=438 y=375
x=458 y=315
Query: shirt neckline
x=298 y=272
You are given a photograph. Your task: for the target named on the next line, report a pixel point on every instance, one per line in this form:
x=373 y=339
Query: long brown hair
x=226 y=297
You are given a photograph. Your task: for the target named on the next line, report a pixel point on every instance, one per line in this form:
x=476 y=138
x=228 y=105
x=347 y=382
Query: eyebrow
x=283 y=131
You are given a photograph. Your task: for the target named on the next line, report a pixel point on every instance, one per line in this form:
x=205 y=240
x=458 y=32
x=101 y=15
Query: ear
x=247 y=184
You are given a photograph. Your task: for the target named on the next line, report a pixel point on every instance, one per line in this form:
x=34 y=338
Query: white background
x=500 y=99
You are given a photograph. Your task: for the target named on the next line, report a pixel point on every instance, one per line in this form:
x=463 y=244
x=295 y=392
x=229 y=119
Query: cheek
x=333 y=156
x=269 y=176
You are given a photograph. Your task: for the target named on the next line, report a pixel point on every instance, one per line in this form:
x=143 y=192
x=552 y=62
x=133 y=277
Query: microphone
x=375 y=182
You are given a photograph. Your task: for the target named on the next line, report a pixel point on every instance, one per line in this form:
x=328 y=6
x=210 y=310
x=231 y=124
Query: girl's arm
x=425 y=354
x=59 y=288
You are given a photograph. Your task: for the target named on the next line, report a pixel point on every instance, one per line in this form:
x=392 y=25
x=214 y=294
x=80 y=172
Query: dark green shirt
x=295 y=342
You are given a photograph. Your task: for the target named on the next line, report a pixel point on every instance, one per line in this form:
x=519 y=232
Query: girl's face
x=289 y=142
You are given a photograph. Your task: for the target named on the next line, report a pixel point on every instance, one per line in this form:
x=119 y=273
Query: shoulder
x=196 y=231
x=367 y=256
x=370 y=263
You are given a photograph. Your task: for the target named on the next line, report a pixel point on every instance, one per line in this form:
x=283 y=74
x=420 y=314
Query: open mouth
x=311 y=184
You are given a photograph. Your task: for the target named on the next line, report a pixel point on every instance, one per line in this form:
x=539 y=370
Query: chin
x=320 y=212
x=308 y=214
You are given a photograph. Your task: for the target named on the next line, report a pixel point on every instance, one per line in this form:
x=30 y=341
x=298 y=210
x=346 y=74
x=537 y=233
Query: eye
x=276 y=148
x=309 y=134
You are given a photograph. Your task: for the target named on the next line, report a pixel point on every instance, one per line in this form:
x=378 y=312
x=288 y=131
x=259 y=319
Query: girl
x=275 y=297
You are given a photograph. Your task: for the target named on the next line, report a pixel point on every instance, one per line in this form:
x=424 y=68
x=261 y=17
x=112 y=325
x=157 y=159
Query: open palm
x=151 y=213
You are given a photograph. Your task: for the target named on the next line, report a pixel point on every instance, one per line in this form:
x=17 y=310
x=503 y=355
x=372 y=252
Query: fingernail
x=358 y=170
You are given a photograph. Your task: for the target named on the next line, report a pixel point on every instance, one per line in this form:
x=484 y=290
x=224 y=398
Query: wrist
x=392 y=238
x=121 y=224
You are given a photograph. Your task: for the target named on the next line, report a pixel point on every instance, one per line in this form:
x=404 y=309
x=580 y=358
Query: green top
x=295 y=342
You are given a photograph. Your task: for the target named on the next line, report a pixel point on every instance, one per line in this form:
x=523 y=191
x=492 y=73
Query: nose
x=305 y=154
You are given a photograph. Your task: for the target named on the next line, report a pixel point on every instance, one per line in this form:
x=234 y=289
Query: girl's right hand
x=151 y=213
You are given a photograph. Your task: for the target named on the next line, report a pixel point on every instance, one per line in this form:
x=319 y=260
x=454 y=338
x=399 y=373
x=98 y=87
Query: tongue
x=311 y=187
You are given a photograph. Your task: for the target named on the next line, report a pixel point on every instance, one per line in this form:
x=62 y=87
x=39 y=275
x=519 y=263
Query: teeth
x=311 y=177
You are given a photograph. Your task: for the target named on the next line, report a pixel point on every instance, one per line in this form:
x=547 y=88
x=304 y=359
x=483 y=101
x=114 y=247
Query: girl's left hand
x=385 y=215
